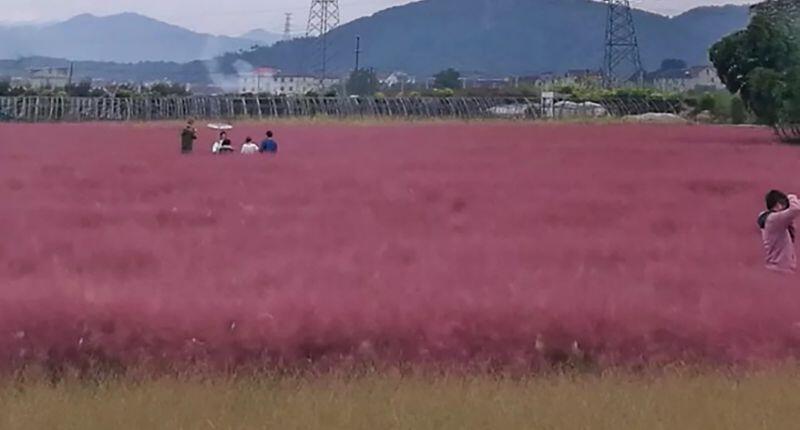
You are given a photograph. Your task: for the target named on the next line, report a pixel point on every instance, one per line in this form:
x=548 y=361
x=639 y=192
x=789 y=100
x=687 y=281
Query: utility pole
x=324 y=60
x=287 y=28
x=622 y=62
x=358 y=51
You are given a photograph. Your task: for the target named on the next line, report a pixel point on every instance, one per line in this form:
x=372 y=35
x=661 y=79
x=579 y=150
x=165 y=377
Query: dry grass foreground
x=765 y=400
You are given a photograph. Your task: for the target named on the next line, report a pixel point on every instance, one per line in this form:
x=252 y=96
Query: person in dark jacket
x=269 y=145
x=188 y=136
x=226 y=146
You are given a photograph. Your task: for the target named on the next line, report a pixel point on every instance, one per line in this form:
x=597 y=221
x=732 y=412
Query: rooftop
x=689 y=73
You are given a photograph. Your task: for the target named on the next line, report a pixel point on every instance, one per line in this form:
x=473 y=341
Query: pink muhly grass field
x=500 y=245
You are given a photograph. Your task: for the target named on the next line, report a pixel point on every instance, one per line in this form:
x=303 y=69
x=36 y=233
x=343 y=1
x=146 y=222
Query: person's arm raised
x=787 y=217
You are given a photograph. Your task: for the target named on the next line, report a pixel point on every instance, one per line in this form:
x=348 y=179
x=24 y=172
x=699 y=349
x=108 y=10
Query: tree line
x=86 y=89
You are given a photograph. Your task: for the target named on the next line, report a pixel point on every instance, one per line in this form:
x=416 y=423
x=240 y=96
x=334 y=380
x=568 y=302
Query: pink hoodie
x=778 y=242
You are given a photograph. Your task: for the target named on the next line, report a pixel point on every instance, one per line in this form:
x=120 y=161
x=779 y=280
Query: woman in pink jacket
x=777 y=231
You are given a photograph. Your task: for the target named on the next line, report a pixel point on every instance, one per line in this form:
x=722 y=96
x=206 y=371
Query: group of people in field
x=225 y=146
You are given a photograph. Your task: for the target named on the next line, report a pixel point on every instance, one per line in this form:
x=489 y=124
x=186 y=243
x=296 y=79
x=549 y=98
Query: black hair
x=775 y=198
x=249 y=139
x=269 y=134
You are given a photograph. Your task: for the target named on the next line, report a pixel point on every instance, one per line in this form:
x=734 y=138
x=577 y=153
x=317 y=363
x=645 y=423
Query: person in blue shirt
x=269 y=145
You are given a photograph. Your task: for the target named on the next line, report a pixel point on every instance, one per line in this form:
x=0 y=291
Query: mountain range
x=501 y=37
x=125 y=38
x=488 y=37
x=264 y=37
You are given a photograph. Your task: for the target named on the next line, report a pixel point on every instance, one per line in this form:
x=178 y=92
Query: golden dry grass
x=767 y=400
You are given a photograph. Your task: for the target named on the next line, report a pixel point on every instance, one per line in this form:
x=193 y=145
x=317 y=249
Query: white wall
x=282 y=85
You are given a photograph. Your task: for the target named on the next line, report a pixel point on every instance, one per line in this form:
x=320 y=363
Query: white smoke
x=227 y=82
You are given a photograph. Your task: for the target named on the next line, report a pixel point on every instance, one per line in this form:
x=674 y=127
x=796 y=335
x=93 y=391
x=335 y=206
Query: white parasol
x=220 y=126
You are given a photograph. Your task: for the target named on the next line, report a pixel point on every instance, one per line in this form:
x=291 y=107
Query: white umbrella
x=220 y=126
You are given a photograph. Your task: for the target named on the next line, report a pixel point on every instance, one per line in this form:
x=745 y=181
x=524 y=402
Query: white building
x=271 y=81
x=18 y=82
x=399 y=79
x=693 y=78
x=49 y=77
x=257 y=81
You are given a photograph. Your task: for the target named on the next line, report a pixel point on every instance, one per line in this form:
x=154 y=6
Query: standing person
x=188 y=136
x=249 y=147
x=269 y=145
x=778 y=232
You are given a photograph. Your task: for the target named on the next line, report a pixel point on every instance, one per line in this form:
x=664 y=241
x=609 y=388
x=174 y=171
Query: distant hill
x=126 y=37
x=145 y=71
x=264 y=37
x=499 y=37
x=489 y=37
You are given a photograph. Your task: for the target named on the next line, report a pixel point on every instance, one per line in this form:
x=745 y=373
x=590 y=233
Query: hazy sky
x=238 y=16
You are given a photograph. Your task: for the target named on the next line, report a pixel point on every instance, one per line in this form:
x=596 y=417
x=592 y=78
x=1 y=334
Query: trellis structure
x=74 y=109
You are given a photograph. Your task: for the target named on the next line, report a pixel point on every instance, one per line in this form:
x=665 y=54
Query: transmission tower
x=287 y=28
x=623 y=62
x=322 y=18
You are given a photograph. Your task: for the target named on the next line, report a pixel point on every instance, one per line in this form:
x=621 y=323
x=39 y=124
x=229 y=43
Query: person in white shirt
x=223 y=145
x=249 y=147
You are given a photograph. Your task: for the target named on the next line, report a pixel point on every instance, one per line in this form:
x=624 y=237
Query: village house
x=398 y=80
x=585 y=78
x=267 y=80
x=682 y=80
x=49 y=77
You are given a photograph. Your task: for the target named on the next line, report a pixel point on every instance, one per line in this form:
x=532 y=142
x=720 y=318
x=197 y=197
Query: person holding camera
x=778 y=231
x=188 y=136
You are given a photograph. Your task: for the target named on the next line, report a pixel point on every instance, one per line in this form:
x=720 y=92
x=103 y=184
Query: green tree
x=755 y=63
x=738 y=111
x=729 y=58
x=790 y=95
x=443 y=92
x=771 y=43
x=450 y=79
x=762 y=93
x=765 y=43
x=707 y=103
x=166 y=90
x=81 y=89
x=362 y=82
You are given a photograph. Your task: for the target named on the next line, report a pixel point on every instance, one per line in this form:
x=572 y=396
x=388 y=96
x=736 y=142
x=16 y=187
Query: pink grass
x=455 y=244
